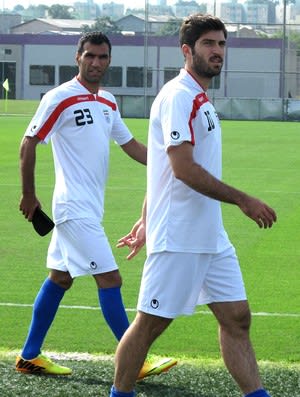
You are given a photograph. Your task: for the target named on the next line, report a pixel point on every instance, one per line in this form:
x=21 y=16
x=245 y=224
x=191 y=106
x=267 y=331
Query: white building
x=251 y=78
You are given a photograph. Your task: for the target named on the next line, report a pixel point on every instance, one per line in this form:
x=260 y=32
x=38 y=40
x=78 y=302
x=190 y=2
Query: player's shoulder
x=107 y=95
x=64 y=90
x=69 y=88
x=108 y=99
x=178 y=91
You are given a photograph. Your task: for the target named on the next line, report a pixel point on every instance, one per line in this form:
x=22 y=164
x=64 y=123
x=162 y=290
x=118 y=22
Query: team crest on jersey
x=106 y=115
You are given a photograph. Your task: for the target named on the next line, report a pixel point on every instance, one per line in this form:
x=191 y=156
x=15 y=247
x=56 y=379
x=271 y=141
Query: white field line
x=75 y=307
x=142 y=188
x=107 y=187
x=74 y=356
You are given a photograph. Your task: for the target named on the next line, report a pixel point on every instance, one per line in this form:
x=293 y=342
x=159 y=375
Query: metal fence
x=227 y=108
x=269 y=19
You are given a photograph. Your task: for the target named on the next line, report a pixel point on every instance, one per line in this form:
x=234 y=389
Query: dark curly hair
x=93 y=38
x=196 y=25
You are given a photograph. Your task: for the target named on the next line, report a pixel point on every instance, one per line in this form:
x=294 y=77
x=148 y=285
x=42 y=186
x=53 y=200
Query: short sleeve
x=42 y=114
x=175 y=116
x=120 y=132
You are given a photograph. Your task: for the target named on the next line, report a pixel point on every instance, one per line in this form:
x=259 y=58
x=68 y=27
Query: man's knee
x=152 y=326
x=108 y=280
x=63 y=279
x=241 y=319
x=233 y=317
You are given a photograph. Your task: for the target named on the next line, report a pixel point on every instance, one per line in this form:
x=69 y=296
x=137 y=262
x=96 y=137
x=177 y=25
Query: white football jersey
x=80 y=126
x=179 y=219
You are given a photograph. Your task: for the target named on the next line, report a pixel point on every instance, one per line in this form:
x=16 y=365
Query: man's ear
x=186 y=50
x=77 y=57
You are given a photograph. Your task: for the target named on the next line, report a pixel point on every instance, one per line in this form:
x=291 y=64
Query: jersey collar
x=187 y=75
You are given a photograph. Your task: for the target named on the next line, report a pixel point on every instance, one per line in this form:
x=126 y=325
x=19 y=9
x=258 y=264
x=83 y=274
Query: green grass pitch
x=261 y=158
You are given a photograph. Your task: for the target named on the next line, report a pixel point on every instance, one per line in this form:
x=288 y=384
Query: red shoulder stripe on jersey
x=44 y=131
x=198 y=101
x=107 y=102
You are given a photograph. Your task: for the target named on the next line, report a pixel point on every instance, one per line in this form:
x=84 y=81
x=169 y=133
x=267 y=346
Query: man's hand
x=28 y=204
x=257 y=210
x=135 y=240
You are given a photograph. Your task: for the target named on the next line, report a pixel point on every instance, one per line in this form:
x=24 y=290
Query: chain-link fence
x=261 y=74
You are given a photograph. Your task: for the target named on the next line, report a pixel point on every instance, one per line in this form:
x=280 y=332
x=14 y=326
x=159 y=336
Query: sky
x=10 y=4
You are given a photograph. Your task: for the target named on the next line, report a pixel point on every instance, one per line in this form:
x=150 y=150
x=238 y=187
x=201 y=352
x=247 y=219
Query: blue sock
x=258 y=393
x=44 y=309
x=115 y=393
x=113 y=310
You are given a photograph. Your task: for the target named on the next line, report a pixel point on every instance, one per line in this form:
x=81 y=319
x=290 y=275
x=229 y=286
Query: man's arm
x=29 y=201
x=197 y=178
x=136 y=150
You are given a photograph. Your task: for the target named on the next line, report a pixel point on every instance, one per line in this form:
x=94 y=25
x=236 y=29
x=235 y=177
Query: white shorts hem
x=222 y=300
x=81 y=274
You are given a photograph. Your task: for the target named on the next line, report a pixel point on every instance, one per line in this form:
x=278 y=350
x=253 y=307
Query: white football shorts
x=80 y=247
x=174 y=283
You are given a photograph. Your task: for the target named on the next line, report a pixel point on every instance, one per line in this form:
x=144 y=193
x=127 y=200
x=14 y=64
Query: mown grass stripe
x=128 y=309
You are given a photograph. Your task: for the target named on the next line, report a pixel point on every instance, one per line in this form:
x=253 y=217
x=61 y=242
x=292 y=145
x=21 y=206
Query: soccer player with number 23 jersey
x=79 y=119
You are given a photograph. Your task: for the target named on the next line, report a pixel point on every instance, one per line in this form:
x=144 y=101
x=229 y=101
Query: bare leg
x=234 y=320
x=133 y=348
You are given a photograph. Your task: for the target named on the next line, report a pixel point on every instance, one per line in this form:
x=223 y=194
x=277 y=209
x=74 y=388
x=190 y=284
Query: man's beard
x=93 y=79
x=202 y=68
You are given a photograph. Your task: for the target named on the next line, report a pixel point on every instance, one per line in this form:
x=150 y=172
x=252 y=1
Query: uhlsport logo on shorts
x=175 y=135
x=93 y=265
x=154 y=303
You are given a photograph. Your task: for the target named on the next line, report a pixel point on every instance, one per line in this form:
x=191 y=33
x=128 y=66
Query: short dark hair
x=195 y=25
x=93 y=38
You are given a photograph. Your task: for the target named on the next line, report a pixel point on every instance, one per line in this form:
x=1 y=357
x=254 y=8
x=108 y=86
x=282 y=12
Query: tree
x=135 y=11
x=18 y=8
x=41 y=10
x=102 y=24
x=293 y=36
x=57 y=11
x=170 y=28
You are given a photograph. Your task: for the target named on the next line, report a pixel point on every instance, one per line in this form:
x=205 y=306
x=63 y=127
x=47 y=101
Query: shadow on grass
x=154 y=390
x=100 y=384
x=94 y=379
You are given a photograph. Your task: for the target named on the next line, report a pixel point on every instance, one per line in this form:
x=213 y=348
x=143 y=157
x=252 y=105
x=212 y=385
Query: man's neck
x=92 y=87
x=202 y=81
